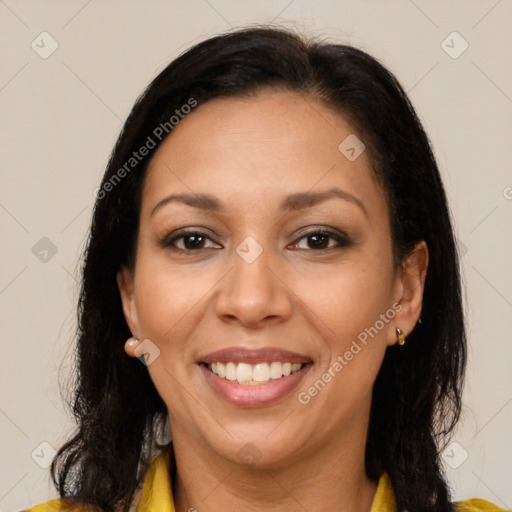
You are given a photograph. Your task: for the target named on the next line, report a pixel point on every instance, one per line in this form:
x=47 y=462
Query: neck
x=332 y=478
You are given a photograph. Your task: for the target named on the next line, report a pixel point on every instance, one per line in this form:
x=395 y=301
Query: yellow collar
x=157 y=495
x=157 y=492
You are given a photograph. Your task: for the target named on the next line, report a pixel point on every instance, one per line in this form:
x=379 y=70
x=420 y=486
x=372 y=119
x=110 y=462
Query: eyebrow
x=293 y=202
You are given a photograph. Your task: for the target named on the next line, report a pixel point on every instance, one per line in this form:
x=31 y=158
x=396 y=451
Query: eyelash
x=341 y=238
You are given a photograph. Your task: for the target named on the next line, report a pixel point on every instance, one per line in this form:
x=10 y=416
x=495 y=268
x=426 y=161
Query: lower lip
x=255 y=395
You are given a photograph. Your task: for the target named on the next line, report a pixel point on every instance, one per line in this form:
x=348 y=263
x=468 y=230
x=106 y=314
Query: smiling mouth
x=246 y=374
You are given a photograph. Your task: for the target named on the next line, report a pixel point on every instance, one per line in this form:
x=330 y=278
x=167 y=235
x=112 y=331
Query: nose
x=253 y=295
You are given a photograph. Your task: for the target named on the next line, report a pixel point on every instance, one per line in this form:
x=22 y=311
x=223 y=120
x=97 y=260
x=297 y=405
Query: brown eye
x=193 y=241
x=322 y=240
x=188 y=241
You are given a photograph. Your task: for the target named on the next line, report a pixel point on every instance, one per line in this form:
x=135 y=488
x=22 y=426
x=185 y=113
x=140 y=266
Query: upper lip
x=254 y=356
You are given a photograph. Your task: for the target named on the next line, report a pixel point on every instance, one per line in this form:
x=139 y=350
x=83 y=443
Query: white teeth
x=243 y=372
x=261 y=372
x=231 y=371
x=249 y=374
x=276 y=370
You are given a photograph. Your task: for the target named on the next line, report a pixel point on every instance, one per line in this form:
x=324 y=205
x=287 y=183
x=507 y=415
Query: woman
x=271 y=274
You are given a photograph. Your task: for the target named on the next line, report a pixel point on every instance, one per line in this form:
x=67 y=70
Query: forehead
x=265 y=145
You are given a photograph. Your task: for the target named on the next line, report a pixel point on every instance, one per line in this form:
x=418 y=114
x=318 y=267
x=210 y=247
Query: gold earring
x=131 y=343
x=400 y=336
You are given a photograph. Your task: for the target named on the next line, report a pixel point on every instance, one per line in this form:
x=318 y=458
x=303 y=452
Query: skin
x=251 y=153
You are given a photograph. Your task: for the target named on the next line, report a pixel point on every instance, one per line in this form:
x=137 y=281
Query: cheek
x=170 y=305
x=352 y=298
x=350 y=312
x=167 y=296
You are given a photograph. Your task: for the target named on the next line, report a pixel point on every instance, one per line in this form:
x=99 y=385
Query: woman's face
x=262 y=244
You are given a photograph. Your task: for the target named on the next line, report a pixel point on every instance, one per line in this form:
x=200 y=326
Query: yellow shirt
x=157 y=494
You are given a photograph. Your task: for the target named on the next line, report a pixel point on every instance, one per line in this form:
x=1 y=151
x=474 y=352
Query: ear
x=410 y=285
x=125 y=284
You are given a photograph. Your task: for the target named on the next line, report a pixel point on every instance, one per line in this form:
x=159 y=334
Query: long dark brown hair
x=417 y=395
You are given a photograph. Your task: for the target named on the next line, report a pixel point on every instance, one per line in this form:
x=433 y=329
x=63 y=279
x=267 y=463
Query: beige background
x=61 y=116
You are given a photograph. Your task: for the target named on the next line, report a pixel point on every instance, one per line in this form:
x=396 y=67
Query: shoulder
x=59 y=505
x=477 y=505
x=157 y=471
x=385 y=500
